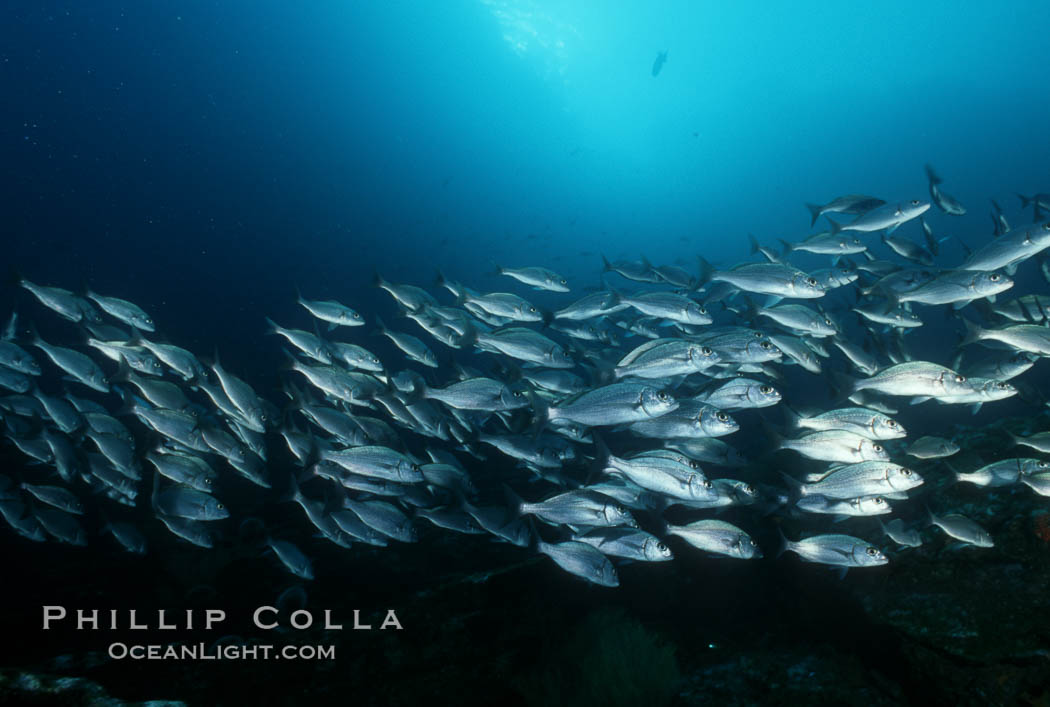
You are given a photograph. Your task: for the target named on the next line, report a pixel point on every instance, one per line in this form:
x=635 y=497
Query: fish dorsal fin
x=644 y=348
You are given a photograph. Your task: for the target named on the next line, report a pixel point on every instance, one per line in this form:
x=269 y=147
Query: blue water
x=198 y=153
x=205 y=159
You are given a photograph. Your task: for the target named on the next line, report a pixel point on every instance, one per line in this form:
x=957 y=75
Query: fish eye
x=355 y=315
x=758 y=334
x=662 y=395
x=891 y=423
x=994 y=277
x=532 y=309
x=905 y=472
x=661 y=547
x=827 y=321
x=708 y=484
x=765 y=345
x=694 y=464
x=208 y=481
x=722 y=417
x=877 y=447
x=914 y=202
x=878 y=501
x=703 y=309
x=563 y=281
x=960 y=379
x=812 y=281
x=765 y=390
x=706 y=351
x=220 y=506
x=872 y=551
x=753 y=543
x=1043 y=465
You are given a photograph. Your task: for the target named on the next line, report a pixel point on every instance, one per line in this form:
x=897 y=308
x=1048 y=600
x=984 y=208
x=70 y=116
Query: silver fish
x=333 y=312
x=932 y=448
x=836 y=550
x=848 y=204
x=718 y=537
x=127 y=312
x=536 y=277
x=615 y=404
x=888 y=216
x=582 y=560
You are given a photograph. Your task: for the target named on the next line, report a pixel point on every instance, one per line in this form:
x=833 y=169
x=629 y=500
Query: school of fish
x=593 y=432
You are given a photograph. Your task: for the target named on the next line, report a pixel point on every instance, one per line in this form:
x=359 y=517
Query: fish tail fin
x=11 y=329
x=788 y=247
x=814 y=213
x=792 y=418
x=601 y=457
x=1025 y=201
x=755 y=245
x=784 y=543
x=793 y=484
x=272 y=326
x=843 y=385
x=130 y=403
x=382 y=326
x=660 y=526
x=154 y=491
x=293 y=493
x=928 y=517
x=515 y=501
x=34 y=335
x=298 y=399
x=973 y=332
x=606 y=265
x=536 y=543
x=602 y=453
x=123 y=374
x=291 y=363
x=750 y=311
x=707 y=270
x=377 y=279
x=541 y=413
x=774 y=435
x=932 y=176
x=136 y=337
x=836 y=227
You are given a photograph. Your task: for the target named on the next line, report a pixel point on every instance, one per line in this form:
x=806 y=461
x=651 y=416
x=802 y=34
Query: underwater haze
x=279 y=144
x=225 y=166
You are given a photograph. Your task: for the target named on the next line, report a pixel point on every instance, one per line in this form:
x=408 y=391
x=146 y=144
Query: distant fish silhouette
x=659 y=63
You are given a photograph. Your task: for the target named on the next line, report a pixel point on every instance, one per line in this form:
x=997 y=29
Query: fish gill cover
x=534 y=336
